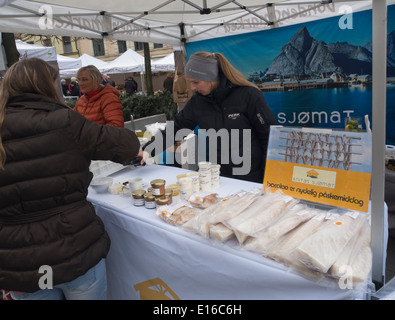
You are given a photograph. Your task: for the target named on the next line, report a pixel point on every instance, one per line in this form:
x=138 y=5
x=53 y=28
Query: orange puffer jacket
x=104 y=107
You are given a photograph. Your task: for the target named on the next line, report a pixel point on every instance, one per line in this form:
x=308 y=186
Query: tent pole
x=379 y=38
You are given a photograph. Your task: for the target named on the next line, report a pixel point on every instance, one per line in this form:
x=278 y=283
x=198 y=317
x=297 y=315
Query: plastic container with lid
x=204 y=166
x=195 y=180
x=180 y=176
x=175 y=189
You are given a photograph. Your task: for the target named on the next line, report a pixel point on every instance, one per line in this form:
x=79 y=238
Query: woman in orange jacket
x=99 y=103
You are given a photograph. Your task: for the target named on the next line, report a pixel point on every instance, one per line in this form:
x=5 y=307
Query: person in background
x=74 y=89
x=65 y=87
x=46 y=221
x=168 y=82
x=99 y=103
x=106 y=79
x=73 y=79
x=225 y=99
x=130 y=85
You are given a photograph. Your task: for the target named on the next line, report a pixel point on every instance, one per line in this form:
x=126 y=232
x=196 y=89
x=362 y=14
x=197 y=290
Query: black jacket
x=45 y=218
x=130 y=86
x=229 y=107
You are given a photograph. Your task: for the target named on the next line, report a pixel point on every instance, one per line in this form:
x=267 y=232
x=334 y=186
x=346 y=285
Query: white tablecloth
x=150 y=258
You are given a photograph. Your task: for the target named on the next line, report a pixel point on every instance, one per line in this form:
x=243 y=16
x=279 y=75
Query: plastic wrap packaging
x=199 y=223
x=356 y=259
x=203 y=200
x=177 y=213
x=320 y=250
x=259 y=215
x=310 y=241
x=220 y=232
x=283 y=249
x=292 y=217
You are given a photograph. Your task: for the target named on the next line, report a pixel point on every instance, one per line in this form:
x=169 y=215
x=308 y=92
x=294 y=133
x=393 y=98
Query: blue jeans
x=90 y=286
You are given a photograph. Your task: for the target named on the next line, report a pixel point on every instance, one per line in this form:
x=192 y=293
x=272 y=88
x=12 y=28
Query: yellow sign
x=155 y=289
x=326 y=166
x=336 y=187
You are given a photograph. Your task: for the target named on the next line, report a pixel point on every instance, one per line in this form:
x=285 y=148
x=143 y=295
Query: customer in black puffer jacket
x=45 y=220
x=226 y=105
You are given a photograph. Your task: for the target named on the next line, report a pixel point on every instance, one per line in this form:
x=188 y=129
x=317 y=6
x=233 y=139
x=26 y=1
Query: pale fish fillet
x=220 y=232
x=357 y=255
x=182 y=215
x=220 y=211
x=290 y=220
x=260 y=217
x=361 y=264
x=321 y=249
x=344 y=258
x=206 y=201
x=282 y=250
x=232 y=211
x=198 y=223
x=250 y=209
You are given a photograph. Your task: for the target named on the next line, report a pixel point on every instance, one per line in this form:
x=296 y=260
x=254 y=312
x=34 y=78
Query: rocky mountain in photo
x=306 y=56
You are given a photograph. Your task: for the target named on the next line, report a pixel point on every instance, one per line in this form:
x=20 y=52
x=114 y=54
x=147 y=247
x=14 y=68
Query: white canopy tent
x=84 y=60
x=47 y=54
x=164 y=64
x=164 y=21
x=181 y=21
x=36 y=51
x=65 y=62
x=129 y=61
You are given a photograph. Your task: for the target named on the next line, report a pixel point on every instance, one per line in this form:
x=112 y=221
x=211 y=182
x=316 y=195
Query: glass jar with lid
x=149 y=199
x=158 y=187
x=138 y=197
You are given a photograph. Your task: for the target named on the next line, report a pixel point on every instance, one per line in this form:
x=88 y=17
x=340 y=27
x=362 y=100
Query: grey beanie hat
x=200 y=68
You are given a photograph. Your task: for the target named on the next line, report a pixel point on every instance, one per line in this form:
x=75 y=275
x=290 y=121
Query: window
x=47 y=42
x=98 y=47
x=121 y=46
x=67 y=44
x=138 y=46
x=158 y=45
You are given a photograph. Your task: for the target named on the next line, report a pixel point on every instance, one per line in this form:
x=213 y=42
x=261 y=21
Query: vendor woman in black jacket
x=225 y=99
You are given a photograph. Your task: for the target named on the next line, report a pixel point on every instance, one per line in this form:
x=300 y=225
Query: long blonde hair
x=230 y=72
x=26 y=76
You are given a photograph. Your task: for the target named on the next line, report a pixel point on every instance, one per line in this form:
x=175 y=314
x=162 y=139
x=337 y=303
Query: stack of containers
x=215 y=170
x=185 y=187
x=195 y=180
x=205 y=176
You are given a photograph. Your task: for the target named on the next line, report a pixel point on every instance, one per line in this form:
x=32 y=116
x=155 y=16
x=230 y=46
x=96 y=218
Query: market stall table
x=150 y=258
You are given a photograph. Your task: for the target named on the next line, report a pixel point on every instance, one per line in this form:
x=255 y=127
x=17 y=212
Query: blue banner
x=317 y=74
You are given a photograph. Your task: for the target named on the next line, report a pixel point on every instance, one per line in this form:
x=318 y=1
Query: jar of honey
x=149 y=199
x=163 y=201
x=138 y=197
x=158 y=187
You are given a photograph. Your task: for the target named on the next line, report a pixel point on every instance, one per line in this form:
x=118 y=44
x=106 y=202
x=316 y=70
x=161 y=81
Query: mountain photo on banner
x=314 y=74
